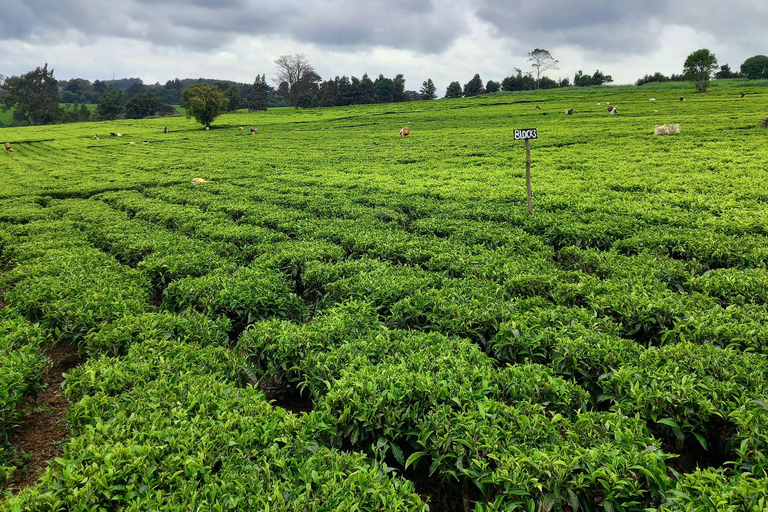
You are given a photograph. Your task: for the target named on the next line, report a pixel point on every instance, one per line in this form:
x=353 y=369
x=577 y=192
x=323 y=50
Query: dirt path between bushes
x=44 y=426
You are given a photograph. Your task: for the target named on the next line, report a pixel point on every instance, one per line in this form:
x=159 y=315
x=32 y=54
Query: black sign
x=528 y=133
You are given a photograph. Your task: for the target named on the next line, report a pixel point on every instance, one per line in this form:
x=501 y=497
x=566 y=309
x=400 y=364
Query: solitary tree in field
x=204 y=102
x=699 y=67
x=541 y=61
x=755 y=67
x=428 y=90
x=33 y=96
x=294 y=70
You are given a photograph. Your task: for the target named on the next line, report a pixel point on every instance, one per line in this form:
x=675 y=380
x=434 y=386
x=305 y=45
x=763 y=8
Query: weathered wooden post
x=527 y=135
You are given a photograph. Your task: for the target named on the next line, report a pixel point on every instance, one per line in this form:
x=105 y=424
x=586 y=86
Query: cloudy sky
x=445 y=40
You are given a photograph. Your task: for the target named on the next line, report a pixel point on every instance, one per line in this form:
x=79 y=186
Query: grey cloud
x=599 y=25
x=197 y=24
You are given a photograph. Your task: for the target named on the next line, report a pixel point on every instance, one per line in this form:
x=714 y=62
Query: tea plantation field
x=607 y=353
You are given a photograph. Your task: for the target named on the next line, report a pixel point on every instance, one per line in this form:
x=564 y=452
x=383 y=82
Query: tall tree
x=755 y=67
x=99 y=88
x=367 y=90
x=328 y=91
x=34 y=96
x=600 y=79
x=474 y=87
x=293 y=70
x=541 y=61
x=384 y=89
x=428 y=90
x=203 y=102
x=399 y=92
x=111 y=105
x=258 y=99
x=233 y=95
x=453 y=90
x=492 y=86
x=699 y=67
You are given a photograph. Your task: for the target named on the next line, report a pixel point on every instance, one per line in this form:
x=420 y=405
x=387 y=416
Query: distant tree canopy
x=298 y=75
x=428 y=90
x=136 y=88
x=203 y=102
x=582 y=80
x=541 y=61
x=474 y=87
x=698 y=68
x=344 y=90
x=656 y=77
x=453 y=90
x=143 y=105
x=34 y=97
x=725 y=72
x=518 y=82
x=111 y=106
x=258 y=98
x=492 y=86
x=755 y=68
x=235 y=98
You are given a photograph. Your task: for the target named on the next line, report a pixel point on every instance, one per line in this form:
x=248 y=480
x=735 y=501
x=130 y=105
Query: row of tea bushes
x=518 y=435
x=57 y=278
x=169 y=427
x=21 y=369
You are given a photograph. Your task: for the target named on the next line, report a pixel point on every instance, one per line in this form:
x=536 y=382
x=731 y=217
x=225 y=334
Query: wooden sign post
x=527 y=135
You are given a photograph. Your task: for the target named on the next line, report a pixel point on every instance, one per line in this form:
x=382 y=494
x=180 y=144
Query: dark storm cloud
x=416 y=24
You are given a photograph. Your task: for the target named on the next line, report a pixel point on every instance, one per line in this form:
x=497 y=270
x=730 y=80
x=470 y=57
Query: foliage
x=33 y=97
x=298 y=75
x=541 y=61
x=203 y=102
x=233 y=95
x=428 y=90
x=111 y=105
x=142 y=105
x=492 y=86
x=453 y=90
x=725 y=72
x=699 y=67
x=258 y=99
x=518 y=82
x=755 y=68
x=656 y=77
x=473 y=87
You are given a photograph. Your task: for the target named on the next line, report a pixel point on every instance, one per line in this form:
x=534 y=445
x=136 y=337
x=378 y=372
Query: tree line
x=38 y=98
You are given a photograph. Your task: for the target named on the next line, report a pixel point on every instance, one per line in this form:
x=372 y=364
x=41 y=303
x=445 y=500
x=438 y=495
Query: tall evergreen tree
x=258 y=99
x=384 y=89
x=399 y=92
x=428 y=90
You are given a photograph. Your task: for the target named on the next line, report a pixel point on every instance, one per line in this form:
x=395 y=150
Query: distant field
x=337 y=302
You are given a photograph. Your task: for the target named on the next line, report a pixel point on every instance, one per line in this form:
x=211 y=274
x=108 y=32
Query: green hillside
x=344 y=319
